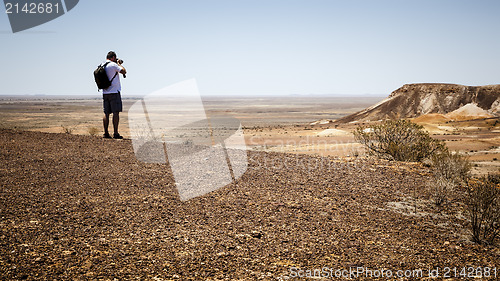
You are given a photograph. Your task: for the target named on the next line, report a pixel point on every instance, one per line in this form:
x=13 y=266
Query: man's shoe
x=106 y=136
x=117 y=136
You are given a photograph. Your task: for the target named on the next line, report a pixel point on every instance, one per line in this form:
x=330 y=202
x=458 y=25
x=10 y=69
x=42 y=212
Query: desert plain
x=296 y=124
x=75 y=206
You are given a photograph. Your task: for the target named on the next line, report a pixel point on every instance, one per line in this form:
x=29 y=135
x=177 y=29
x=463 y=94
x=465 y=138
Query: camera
x=120 y=61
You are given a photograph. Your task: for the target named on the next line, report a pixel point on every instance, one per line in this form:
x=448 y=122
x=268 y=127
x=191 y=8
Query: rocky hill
x=413 y=100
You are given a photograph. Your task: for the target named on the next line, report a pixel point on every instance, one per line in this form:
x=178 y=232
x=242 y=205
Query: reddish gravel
x=79 y=207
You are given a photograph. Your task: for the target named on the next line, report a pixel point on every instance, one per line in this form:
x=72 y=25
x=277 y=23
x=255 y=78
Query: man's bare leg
x=116 y=120
x=105 y=123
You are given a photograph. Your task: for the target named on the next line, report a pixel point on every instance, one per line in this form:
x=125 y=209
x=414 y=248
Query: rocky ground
x=78 y=207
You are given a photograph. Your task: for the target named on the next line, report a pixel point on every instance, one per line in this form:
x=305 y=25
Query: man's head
x=111 y=56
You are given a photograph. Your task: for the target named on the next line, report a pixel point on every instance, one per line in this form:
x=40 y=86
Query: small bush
x=451 y=166
x=399 y=140
x=93 y=131
x=450 y=170
x=67 y=130
x=440 y=190
x=483 y=208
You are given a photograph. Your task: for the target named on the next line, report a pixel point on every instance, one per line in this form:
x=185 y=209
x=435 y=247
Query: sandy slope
x=79 y=207
x=468 y=112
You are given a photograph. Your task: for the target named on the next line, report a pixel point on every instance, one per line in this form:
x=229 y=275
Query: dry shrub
x=67 y=130
x=93 y=131
x=399 y=140
x=440 y=190
x=450 y=170
x=483 y=208
x=451 y=166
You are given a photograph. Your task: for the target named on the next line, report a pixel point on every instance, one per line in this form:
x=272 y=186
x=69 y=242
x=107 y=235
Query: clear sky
x=257 y=47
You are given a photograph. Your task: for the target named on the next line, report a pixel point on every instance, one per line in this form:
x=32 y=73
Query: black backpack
x=101 y=78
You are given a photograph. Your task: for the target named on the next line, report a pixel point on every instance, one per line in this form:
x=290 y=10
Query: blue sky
x=257 y=47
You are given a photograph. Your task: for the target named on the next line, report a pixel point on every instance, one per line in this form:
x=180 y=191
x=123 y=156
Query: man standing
x=112 y=101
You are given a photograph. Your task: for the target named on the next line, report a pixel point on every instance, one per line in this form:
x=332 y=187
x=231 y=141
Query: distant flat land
x=295 y=124
x=52 y=113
